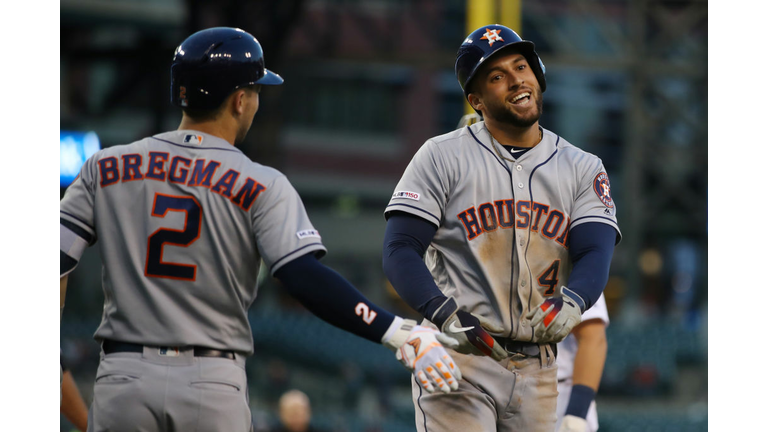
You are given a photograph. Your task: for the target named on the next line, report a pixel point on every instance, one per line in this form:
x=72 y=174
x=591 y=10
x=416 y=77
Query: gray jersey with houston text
x=502 y=241
x=183 y=220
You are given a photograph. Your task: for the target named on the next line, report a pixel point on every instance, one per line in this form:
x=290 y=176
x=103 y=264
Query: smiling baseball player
x=501 y=235
x=183 y=220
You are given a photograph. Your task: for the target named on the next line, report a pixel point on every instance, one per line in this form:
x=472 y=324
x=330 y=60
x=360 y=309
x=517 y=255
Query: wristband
x=581 y=398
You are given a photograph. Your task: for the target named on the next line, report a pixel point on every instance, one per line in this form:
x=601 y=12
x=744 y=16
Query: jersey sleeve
x=282 y=228
x=594 y=202
x=77 y=205
x=77 y=228
x=422 y=190
x=598 y=311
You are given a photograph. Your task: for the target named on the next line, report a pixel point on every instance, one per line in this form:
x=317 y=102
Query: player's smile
x=520 y=99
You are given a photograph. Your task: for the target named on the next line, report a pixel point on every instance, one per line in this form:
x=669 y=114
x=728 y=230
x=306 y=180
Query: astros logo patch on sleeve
x=603 y=189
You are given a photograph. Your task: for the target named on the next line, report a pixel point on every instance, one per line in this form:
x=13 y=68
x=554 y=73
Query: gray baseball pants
x=169 y=390
x=517 y=394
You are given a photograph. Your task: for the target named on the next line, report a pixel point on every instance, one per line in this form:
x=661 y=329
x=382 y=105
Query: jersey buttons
x=519 y=167
x=520 y=185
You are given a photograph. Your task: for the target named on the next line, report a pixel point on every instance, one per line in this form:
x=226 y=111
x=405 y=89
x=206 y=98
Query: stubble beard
x=502 y=114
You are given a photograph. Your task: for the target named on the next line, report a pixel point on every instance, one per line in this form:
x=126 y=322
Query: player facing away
x=183 y=220
x=501 y=235
x=580 y=361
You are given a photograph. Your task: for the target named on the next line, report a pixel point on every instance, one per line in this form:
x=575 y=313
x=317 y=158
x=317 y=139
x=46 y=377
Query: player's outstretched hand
x=469 y=330
x=419 y=349
x=571 y=423
x=555 y=317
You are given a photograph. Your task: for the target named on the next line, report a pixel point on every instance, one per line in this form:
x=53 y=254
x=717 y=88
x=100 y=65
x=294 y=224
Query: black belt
x=529 y=349
x=110 y=346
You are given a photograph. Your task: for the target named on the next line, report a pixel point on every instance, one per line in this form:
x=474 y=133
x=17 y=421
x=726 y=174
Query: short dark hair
x=204 y=115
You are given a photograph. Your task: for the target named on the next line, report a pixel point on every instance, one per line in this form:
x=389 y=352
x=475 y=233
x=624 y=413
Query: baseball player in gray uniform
x=183 y=220
x=501 y=235
x=580 y=361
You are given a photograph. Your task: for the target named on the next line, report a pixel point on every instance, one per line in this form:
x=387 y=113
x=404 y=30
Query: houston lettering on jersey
x=505 y=214
x=179 y=170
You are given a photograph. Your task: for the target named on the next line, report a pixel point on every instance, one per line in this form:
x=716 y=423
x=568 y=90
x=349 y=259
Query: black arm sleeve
x=332 y=298
x=405 y=242
x=591 y=249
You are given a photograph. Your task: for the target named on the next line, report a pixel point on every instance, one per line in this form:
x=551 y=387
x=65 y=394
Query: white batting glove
x=419 y=349
x=556 y=316
x=571 y=423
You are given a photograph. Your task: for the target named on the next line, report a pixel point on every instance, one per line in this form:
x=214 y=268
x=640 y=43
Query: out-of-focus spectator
x=295 y=413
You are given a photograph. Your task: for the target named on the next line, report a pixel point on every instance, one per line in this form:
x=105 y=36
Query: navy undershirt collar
x=516 y=152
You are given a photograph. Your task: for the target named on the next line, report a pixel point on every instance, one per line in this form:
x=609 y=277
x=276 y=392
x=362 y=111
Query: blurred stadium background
x=366 y=83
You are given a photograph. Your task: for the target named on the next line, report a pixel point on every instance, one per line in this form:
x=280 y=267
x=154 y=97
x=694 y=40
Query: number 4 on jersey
x=549 y=278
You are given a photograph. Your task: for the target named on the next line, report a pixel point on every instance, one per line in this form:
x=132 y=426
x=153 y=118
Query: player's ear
x=475 y=101
x=239 y=101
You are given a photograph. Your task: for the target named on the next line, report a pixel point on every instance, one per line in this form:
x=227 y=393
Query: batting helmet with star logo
x=487 y=41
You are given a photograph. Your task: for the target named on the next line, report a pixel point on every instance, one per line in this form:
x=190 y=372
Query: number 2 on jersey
x=193 y=219
x=367 y=314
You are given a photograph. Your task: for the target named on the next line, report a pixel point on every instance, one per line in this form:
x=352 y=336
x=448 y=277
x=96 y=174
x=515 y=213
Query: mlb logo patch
x=168 y=351
x=193 y=139
x=406 y=194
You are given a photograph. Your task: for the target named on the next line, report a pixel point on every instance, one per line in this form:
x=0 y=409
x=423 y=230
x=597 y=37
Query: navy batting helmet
x=485 y=42
x=211 y=64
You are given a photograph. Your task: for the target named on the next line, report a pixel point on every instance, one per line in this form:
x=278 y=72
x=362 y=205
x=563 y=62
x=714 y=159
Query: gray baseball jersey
x=502 y=242
x=566 y=353
x=183 y=220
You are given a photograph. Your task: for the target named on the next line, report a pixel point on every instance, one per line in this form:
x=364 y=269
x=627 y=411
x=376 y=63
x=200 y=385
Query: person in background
x=295 y=413
x=580 y=361
x=73 y=406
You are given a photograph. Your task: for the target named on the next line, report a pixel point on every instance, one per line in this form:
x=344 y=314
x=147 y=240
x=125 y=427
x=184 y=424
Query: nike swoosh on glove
x=469 y=330
x=420 y=350
x=571 y=423
x=556 y=316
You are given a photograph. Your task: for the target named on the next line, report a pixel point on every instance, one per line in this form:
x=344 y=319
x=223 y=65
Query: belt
x=529 y=349
x=110 y=346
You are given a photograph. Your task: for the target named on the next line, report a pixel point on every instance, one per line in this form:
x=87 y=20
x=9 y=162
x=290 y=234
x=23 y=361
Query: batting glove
x=419 y=349
x=469 y=330
x=556 y=316
x=571 y=423
x=468 y=120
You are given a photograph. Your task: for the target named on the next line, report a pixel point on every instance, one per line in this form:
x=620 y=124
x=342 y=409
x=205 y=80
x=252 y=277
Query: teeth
x=520 y=96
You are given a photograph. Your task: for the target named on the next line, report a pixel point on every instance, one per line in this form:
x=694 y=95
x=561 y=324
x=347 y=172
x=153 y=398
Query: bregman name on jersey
x=507 y=214
x=180 y=170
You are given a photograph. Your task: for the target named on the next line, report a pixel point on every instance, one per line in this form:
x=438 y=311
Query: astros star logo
x=602 y=187
x=606 y=189
x=492 y=36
